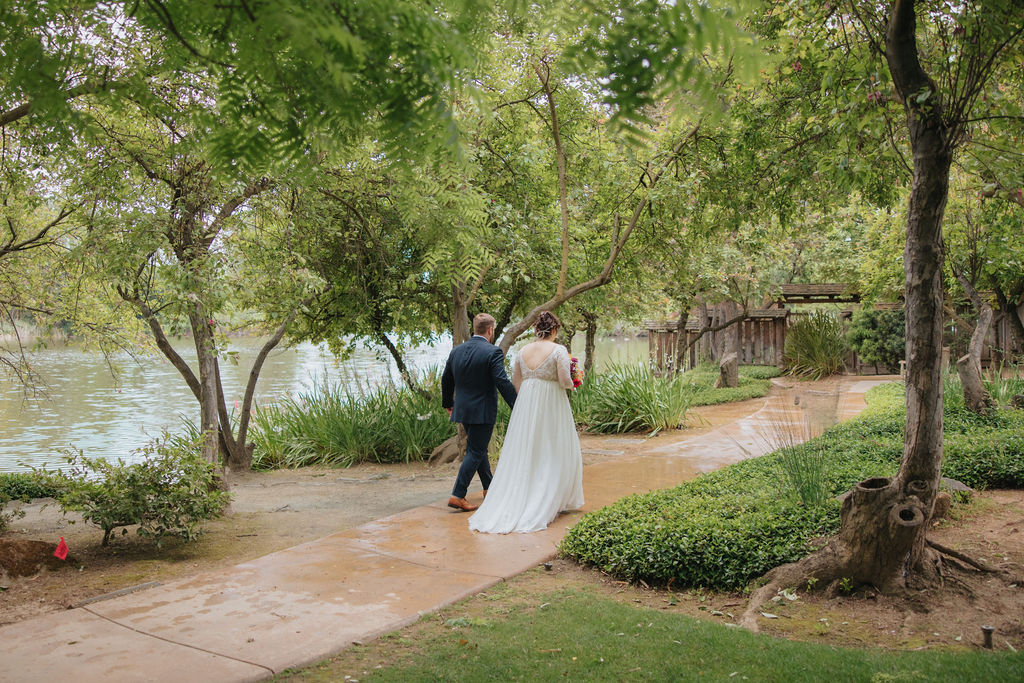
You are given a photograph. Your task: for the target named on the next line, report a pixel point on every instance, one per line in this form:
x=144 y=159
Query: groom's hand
x=449 y=411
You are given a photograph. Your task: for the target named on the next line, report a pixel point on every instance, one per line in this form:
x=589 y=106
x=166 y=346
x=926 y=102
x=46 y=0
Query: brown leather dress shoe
x=461 y=504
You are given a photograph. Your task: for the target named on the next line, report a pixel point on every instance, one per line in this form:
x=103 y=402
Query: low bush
x=24 y=486
x=727 y=527
x=19 y=486
x=815 y=346
x=341 y=426
x=170 y=492
x=878 y=336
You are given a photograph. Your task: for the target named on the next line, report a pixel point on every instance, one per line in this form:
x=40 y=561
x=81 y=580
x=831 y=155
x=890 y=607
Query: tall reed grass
x=1002 y=389
x=816 y=346
x=800 y=418
x=341 y=425
x=629 y=398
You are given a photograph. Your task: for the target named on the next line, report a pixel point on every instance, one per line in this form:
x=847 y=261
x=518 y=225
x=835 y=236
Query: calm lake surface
x=113 y=409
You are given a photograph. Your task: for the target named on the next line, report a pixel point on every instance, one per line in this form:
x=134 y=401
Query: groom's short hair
x=482 y=322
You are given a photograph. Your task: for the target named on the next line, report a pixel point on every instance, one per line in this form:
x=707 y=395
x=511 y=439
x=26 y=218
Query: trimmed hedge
x=727 y=527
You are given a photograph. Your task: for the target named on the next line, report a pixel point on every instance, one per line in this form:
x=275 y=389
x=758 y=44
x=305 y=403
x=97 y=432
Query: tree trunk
x=460 y=315
x=976 y=396
x=568 y=334
x=209 y=421
x=883 y=522
x=589 y=348
x=403 y=369
x=681 y=347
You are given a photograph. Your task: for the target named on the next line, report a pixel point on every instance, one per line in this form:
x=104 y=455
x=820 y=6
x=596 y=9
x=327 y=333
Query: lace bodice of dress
x=554 y=368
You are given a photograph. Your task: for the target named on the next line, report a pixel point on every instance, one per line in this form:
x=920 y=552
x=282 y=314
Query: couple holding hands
x=540 y=469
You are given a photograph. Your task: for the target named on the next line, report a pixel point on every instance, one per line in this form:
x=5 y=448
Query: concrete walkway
x=301 y=605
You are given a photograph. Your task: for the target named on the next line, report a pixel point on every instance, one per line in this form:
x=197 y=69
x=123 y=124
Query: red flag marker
x=62 y=550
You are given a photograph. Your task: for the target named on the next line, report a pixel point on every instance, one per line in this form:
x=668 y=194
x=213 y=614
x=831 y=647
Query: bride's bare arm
x=517 y=373
x=564 y=376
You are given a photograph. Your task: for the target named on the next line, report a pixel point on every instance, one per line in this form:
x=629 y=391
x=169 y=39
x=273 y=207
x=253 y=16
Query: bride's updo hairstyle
x=546 y=326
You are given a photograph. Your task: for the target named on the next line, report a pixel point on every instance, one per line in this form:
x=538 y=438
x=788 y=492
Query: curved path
x=303 y=604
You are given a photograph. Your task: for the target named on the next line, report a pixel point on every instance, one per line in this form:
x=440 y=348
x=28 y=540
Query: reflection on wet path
x=791 y=413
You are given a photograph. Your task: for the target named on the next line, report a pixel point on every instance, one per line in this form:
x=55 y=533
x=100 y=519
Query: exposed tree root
x=966 y=559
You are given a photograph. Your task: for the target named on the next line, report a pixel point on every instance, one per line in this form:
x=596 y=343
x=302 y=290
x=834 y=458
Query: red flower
x=575 y=371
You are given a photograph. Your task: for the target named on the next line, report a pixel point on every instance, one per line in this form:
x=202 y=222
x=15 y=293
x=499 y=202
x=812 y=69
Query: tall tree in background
x=882 y=540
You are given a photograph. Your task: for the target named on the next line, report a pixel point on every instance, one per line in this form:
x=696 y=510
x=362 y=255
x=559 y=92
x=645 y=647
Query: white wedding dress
x=540 y=469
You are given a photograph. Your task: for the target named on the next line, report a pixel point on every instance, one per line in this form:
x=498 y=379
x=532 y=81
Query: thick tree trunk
x=884 y=521
x=882 y=540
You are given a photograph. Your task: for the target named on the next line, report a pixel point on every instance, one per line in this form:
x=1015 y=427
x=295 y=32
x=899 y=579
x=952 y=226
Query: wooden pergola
x=828 y=292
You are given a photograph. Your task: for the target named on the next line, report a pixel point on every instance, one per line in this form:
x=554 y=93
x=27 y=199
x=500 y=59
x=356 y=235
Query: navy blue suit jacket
x=474 y=370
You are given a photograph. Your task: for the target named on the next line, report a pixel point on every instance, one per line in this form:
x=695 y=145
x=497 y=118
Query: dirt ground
x=275 y=510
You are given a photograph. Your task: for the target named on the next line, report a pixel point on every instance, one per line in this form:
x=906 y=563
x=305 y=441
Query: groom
x=474 y=370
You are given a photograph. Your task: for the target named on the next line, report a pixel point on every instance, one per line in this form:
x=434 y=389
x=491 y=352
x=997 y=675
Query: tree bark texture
x=590 y=344
x=976 y=396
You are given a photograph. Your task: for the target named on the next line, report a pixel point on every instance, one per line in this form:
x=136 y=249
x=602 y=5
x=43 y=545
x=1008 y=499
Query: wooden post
x=780 y=342
x=650 y=346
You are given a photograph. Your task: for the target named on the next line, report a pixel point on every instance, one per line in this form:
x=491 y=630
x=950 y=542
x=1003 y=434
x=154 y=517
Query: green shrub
x=815 y=346
x=879 y=336
x=720 y=530
x=169 y=492
x=19 y=486
x=5 y=517
x=726 y=527
x=24 y=486
x=339 y=425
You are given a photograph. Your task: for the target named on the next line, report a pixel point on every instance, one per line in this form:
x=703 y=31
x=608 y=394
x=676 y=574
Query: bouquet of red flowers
x=575 y=371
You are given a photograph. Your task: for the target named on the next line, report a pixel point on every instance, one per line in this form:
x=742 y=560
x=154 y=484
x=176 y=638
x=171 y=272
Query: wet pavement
x=298 y=606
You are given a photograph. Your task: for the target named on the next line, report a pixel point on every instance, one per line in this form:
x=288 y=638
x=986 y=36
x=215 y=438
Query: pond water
x=111 y=407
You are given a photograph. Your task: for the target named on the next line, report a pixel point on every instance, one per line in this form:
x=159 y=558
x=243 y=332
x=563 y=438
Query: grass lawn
x=517 y=632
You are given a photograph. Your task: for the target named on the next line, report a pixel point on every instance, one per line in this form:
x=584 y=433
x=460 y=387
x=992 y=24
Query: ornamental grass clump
x=815 y=346
x=344 y=424
x=630 y=398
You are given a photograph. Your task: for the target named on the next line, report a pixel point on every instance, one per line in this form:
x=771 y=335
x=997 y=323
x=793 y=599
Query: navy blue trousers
x=478 y=437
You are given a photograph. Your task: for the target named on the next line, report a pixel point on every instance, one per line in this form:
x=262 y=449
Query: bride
x=540 y=469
